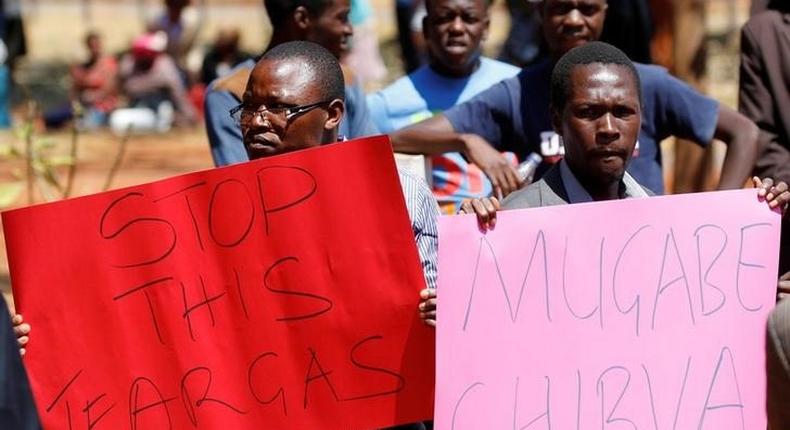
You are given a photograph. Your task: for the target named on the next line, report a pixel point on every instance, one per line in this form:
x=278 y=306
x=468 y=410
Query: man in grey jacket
x=596 y=109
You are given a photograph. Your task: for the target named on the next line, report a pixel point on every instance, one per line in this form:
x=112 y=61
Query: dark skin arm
x=740 y=135
x=437 y=136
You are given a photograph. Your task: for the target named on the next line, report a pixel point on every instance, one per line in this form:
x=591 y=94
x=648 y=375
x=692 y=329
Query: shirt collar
x=577 y=193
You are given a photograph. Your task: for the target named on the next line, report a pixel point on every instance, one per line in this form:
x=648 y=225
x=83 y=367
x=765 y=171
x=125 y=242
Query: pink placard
x=634 y=314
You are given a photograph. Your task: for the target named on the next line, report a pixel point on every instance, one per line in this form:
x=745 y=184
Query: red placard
x=279 y=293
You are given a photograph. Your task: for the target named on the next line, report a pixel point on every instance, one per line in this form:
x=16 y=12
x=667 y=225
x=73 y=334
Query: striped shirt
x=423 y=212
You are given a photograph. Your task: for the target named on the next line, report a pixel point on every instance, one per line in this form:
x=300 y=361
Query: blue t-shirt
x=418 y=96
x=513 y=115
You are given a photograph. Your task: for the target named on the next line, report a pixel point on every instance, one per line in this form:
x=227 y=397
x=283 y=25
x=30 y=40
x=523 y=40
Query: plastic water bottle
x=526 y=170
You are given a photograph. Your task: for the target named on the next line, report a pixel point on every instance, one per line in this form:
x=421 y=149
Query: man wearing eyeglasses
x=295 y=100
x=324 y=22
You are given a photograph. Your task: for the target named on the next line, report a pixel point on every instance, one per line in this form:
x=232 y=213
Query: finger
x=427 y=305
x=466 y=207
x=22 y=329
x=489 y=205
x=430 y=323
x=482 y=214
x=17 y=319
x=779 y=201
x=757 y=182
x=22 y=351
x=22 y=341
x=507 y=183
x=496 y=185
x=427 y=293
x=428 y=315
x=513 y=178
x=782 y=195
x=785 y=277
x=776 y=190
x=498 y=191
x=766 y=185
x=495 y=202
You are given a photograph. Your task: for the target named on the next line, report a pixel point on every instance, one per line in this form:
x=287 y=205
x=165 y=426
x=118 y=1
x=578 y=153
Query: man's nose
x=607 y=130
x=457 y=24
x=574 y=19
x=259 y=120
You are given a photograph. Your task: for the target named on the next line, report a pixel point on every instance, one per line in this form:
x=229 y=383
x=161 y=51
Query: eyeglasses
x=243 y=114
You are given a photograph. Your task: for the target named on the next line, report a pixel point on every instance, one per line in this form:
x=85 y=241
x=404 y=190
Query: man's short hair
x=318 y=60
x=280 y=11
x=589 y=53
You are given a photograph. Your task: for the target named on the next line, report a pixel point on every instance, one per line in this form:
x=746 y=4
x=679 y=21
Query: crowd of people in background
x=486 y=126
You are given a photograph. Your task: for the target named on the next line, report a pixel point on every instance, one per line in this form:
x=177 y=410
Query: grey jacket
x=548 y=191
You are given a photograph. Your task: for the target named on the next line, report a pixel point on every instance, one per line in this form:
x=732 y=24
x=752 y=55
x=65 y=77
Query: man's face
x=283 y=84
x=571 y=23
x=453 y=30
x=331 y=29
x=600 y=122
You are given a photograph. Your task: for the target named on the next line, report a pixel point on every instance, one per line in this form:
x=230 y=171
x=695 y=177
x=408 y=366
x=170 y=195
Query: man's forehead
x=574 y=2
x=466 y=4
x=601 y=75
x=280 y=78
x=602 y=72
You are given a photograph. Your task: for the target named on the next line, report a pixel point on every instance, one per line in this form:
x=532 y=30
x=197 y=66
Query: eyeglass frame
x=290 y=112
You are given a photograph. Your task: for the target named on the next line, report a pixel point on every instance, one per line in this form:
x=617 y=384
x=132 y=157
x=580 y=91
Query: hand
x=783 y=289
x=485 y=209
x=777 y=196
x=428 y=306
x=503 y=176
x=22 y=332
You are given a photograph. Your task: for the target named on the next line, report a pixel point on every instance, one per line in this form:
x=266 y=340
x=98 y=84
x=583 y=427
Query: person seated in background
x=514 y=114
x=94 y=87
x=94 y=83
x=223 y=56
x=324 y=22
x=456 y=71
x=182 y=24
x=597 y=109
x=150 y=79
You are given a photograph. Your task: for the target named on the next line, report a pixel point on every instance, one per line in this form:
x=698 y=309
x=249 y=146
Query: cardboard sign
x=642 y=313
x=280 y=293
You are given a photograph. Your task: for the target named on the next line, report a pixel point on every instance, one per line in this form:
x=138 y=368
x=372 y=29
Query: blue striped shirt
x=423 y=212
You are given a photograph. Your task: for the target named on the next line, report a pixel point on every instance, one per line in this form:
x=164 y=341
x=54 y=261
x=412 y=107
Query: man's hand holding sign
x=635 y=312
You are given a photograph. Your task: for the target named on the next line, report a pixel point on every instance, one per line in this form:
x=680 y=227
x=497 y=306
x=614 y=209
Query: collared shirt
x=577 y=193
x=423 y=213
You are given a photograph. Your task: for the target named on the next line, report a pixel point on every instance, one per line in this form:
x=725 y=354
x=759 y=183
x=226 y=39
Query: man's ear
x=301 y=17
x=336 y=111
